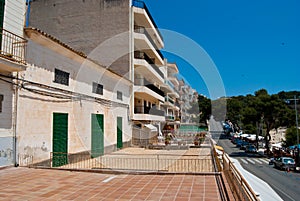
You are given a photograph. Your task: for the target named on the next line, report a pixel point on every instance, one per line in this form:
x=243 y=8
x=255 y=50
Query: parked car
x=285 y=163
x=271 y=161
x=297 y=167
x=251 y=149
x=239 y=142
x=244 y=145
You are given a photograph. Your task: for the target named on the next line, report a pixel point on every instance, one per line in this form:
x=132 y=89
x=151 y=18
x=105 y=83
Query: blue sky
x=253 y=44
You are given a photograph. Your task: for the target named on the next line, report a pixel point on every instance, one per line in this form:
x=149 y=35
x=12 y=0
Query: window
x=1 y=99
x=119 y=95
x=2 y=6
x=97 y=88
x=61 y=77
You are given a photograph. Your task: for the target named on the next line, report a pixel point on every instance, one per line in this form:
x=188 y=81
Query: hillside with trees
x=258 y=113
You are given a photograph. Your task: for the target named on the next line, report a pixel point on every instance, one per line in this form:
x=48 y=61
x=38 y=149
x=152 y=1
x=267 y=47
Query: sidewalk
x=44 y=184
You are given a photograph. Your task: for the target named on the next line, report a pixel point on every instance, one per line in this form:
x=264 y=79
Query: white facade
x=14 y=16
x=278 y=135
x=41 y=97
x=13 y=21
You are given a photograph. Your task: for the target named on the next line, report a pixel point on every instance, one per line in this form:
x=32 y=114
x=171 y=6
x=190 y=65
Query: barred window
x=61 y=77
x=119 y=95
x=97 y=88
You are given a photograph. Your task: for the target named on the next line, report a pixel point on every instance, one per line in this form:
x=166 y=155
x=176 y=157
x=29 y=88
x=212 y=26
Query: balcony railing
x=170 y=100
x=155 y=89
x=170 y=117
x=13 y=47
x=148 y=110
x=168 y=82
x=142 y=30
x=141 y=4
x=146 y=83
x=143 y=55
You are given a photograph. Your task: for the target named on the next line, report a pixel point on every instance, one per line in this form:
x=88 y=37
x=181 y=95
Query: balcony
x=170 y=118
x=170 y=100
x=145 y=90
x=143 y=30
x=150 y=61
x=144 y=113
x=141 y=4
x=12 y=48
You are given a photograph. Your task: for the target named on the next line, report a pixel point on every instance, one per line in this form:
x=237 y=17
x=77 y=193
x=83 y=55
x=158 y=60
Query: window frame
x=59 y=77
x=120 y=95
x=1 y=101
x=97 y=88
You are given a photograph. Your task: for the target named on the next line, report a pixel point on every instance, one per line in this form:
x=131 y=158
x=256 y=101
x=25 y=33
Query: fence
x=135 y=162
x=239 y=186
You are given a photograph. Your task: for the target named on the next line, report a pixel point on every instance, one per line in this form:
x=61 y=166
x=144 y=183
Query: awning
x=151 y=127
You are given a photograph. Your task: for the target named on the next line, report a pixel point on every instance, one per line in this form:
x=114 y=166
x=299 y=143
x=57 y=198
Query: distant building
x=278 y=135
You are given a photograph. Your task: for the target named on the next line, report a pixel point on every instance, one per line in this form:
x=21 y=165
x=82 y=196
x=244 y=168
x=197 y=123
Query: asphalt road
x=286 y=184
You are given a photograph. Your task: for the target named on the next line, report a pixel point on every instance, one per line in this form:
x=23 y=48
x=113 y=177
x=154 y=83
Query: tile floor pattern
x=43 y=184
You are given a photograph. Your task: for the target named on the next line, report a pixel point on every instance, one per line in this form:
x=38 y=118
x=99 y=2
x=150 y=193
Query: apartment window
x=119 y=95
x=1 y=99
x=61 y=77
x=97 y=88
x=2 y=6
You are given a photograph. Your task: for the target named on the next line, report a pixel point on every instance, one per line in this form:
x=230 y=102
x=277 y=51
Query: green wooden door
x=97 y=146
x=60 y=139
x=119 y=133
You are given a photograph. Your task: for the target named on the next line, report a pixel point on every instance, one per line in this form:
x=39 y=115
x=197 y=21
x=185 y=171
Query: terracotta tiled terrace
x=44 y=184
x=51 y=184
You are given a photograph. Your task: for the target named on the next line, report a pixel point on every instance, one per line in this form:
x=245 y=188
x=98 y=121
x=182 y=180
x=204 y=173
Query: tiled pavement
x=44 y=184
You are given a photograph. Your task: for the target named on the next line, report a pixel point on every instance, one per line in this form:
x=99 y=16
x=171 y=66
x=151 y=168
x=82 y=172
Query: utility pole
x=296 y=111
x=297 y=132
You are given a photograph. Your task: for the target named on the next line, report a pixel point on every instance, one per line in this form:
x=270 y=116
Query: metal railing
x=148 y=110
x=155 y=89
x=143 y=30
x=12 y=46
x=149 y=85
x=135 y=162
x=169 y=99
x=25 y=160
x=141 y=4
x=150 y=61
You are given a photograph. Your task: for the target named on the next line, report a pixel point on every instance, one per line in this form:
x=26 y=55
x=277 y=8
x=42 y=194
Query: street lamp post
x=296 y=112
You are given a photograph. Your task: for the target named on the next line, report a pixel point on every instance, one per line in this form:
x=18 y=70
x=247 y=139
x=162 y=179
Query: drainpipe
x=27 y=12
x=15 y=158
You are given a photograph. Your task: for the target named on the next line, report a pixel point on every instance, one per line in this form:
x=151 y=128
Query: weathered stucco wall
x=85 y=25
x=35 y=111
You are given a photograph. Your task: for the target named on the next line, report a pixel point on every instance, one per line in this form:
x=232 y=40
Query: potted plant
x=197 y=139
x=167 y=140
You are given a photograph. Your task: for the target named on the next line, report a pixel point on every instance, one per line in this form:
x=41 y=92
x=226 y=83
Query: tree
x=201 y=110
x=291 y=136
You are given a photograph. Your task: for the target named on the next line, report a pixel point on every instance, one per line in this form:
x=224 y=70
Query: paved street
x=286 y=184
x=43 y=184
